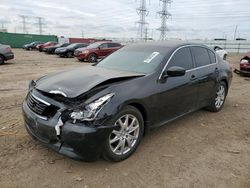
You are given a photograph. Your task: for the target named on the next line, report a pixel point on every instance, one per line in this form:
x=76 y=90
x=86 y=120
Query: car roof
x=168 y=44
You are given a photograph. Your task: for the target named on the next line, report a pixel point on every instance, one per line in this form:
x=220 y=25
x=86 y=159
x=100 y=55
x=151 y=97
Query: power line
x=142 y=12
x=164 y=15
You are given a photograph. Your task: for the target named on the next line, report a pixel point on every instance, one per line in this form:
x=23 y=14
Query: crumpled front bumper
x=242 y=72
x=80 y=142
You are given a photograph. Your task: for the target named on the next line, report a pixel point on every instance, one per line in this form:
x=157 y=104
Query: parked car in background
x=222 y=53
x=244 y=65
x=96 y=51
x=104 y=109
x=5 y=53
x=32 y=45
x=69 y=50
x=40 y=47
x=51 y=49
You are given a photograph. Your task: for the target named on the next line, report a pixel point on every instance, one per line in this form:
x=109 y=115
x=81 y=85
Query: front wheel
x=219 y=98
x=123 y=141
x=69 y=54
x=1 y=60
x=92 y=58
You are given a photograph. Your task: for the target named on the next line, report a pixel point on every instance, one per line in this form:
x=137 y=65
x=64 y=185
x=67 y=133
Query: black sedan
x=5 y=53
x=69 y=50
x=105 y=109
x=32 y=45
x=51 y=49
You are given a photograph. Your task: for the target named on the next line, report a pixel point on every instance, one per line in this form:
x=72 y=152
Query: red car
x=47 y=44
x=96 y=50
x=244 y=66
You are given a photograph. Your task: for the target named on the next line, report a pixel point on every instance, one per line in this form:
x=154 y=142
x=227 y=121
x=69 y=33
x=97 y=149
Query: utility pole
x=24 y=23
x=235 y=32
x=146 y=34
x=142 y=12
x=164 y=15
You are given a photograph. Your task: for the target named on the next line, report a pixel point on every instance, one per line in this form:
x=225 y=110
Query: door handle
x=193 y=77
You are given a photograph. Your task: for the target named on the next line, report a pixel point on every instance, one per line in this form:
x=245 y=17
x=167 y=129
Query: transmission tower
x=40 y=24
x=142 y=12
x=164 y=15
x=24 y=23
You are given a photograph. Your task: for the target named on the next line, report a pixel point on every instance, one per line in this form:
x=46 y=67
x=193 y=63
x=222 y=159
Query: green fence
x=16 y=40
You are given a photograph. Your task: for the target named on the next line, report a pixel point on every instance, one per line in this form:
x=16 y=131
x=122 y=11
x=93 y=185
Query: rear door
x=113 y=47
x=207 y=73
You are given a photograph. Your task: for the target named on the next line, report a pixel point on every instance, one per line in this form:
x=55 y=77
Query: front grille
x=36 y=105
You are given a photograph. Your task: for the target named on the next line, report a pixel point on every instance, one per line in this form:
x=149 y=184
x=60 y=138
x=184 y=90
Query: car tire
x=124 y=140
x=1 y=60
x=92 y=58
x=69 y=54
x=81 y=60
x=219 y=98
x=225 y=57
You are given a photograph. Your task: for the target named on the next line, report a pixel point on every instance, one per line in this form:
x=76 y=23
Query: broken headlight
x=91 y=110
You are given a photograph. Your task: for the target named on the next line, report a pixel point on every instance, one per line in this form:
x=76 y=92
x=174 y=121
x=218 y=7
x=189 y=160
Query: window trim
x=188 y=45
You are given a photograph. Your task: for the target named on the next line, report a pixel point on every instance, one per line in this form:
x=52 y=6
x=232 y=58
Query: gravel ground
x=202 y=149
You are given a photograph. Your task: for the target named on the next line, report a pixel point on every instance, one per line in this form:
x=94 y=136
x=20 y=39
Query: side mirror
x=175 y=71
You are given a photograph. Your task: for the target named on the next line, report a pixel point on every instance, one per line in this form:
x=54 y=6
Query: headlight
x=85 y=52
x=91 y=110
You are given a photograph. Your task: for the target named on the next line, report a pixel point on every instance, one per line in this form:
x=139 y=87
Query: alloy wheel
x=220 y=97
x=123 y=140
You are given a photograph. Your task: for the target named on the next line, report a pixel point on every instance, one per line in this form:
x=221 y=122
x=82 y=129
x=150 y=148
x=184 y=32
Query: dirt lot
x=202 y=149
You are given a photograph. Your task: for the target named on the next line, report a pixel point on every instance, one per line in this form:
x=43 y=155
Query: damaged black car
x=105 y=109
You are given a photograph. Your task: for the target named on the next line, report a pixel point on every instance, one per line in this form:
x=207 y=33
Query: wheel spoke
x=126 y=121
x=129 y=142
x=118 y=146
x=122 y=146
x=116 y=138
x=132 y=123
x=121 y=123
x=132 y=136
x=132 y=129
x=117 y=133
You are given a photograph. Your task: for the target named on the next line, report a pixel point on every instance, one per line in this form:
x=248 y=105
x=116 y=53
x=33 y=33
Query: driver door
x=178 y=94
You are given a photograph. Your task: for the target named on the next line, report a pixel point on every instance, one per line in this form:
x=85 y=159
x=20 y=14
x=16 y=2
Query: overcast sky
x=116 y=18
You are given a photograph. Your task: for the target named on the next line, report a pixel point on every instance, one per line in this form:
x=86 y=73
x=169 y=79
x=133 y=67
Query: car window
x=104 y=46
x=212 y=56
x=201 y=56
x=113 y=45
x=182 y=58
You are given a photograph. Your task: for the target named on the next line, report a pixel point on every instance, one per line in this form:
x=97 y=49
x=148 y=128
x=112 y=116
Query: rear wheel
x=225 y=57
x=123 y=141
x=69 y=54
x=92 y=58
x=1 y=60
x=219 y=98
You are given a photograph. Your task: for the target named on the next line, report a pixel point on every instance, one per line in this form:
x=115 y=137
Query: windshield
x=142 y=61
x=58 y=45
x=94 y=45
x=72 y=45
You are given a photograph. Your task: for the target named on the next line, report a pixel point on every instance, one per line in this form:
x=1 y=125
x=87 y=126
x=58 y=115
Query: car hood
x=75 y=82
